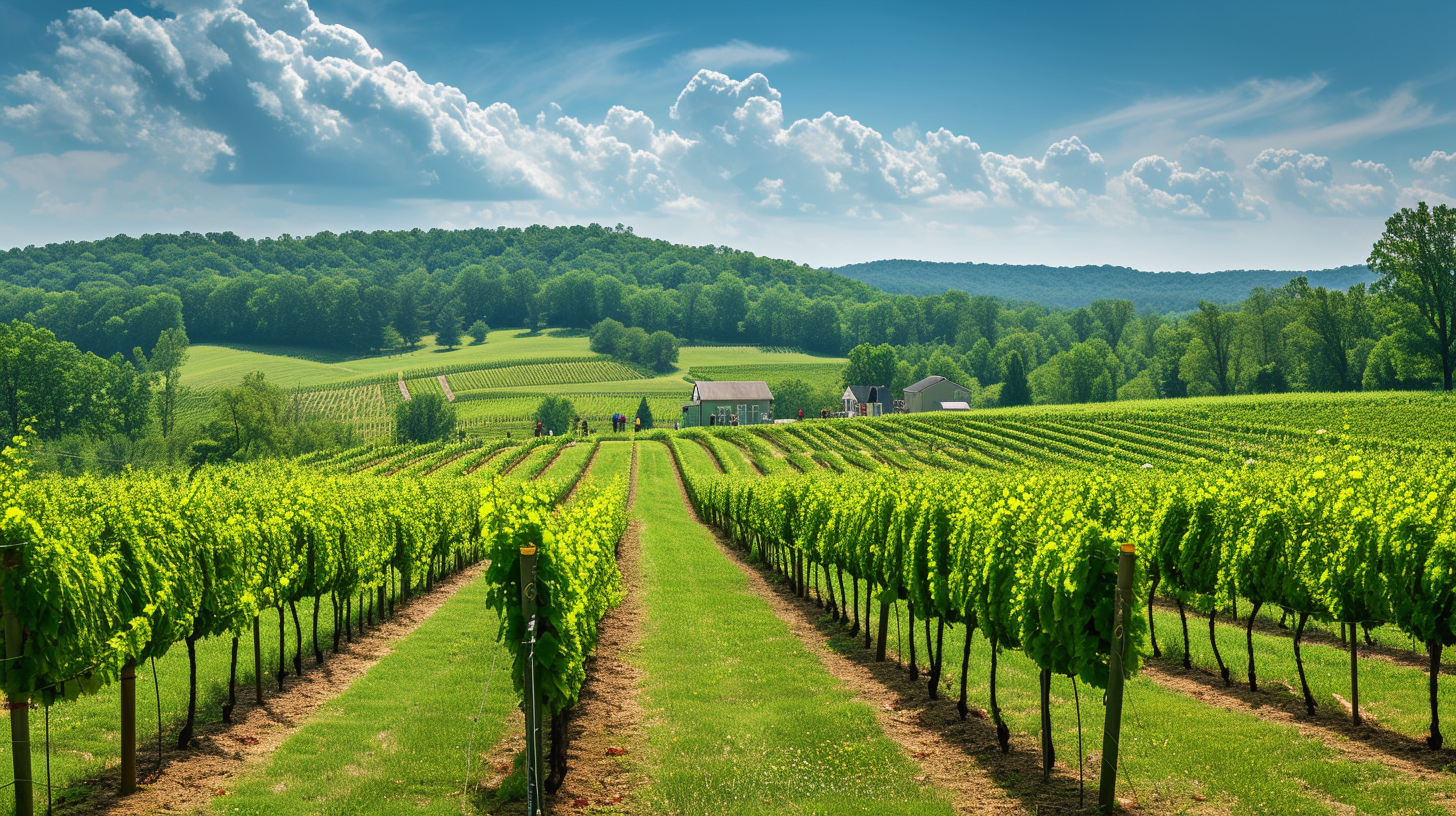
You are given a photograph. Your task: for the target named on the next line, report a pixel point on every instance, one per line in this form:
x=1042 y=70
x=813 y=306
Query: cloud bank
x=263 y=95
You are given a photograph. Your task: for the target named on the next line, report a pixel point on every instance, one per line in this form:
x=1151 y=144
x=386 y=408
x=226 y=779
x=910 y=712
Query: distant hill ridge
x=1074 y=286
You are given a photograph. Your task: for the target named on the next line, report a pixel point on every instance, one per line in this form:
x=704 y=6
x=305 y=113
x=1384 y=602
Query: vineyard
x=919 y=611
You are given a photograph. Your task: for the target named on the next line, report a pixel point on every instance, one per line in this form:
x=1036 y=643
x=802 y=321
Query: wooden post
x=1354 y=675
x=19 y=711
x=128 y=728
x=1112 y=727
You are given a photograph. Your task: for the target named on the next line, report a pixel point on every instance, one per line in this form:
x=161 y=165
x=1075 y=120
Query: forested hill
x=1071 y=287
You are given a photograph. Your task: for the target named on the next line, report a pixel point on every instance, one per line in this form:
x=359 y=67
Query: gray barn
x=931 y=392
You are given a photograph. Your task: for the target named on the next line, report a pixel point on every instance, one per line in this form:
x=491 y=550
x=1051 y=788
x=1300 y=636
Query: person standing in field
x=637 y=424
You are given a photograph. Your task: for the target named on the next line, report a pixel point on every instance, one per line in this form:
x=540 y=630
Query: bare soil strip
x=221 y=752
x=606 y=724
x=960 y=757
x=1284 y=705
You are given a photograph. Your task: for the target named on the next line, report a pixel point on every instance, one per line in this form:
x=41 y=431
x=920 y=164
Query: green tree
x=479 y=332
x=606 y=335
x=249 y=418
x=555 y=413
x=659 y=352
x=447 y=326
x=168 y=357
x=1215 y=329
x=1015 y=390
x=644 y=414
x=1114 y=315
x=407 y=317
x=871 y=365
x=1416 y=257
x=427 y=417
x=129 y=393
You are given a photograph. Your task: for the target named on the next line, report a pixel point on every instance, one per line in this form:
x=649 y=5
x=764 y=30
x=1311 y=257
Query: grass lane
x=1393 y=696
x=742 y=719
x=1175 y=748
x=395 y=741
x=85 y=732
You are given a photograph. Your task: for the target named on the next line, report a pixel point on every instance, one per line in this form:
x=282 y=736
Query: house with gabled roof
x=875 y=399
x=748 y=402
x=936 y=393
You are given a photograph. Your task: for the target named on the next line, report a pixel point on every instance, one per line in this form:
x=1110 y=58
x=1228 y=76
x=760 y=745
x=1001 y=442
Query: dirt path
x=221 y=753
x=606 y=725
x=954 y=755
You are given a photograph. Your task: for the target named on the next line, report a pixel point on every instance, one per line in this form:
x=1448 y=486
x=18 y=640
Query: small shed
x=876 y=399
x=750 y=402
x=933 y=393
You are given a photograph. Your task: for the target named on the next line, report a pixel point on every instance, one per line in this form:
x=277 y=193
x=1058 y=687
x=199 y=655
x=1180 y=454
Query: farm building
x=719 y=403
x=936 y=393
x=876 y=399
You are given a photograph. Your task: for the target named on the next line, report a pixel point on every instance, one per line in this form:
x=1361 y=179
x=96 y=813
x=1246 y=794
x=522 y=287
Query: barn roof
x=861 y=393
x=933 y=379
x=732 y=391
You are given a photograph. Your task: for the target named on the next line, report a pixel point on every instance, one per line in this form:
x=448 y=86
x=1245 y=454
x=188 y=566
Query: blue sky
x=1159 y=135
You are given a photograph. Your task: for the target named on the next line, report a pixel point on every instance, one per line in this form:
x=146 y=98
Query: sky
x=1163 y=136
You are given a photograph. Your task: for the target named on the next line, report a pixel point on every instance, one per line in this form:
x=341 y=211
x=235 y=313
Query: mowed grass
x=1393 y=697
x=742 y=719
x=216 y=366
x=395 y=742
x=1178 y=754
x=85 y=732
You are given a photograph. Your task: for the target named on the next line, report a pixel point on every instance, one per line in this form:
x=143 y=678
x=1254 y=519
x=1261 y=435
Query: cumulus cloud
x=1161 y=186
x=263 y=92
x=1308 y=180
x=1435 y=183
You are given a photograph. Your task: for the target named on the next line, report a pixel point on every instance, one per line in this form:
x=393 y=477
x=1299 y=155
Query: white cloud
x=1160 y=186
x=1308 y=180
x=732 y=54
x=262 y=99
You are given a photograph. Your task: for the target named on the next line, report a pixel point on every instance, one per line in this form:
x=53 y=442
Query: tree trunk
x=914 y=669
x=1249 y=639
x=965 y=670
x=318 y=654
x=1434 y=741
x=334 y=607
x=1299 y=662
x=1048 y=752
x=884 y=631
x=854 y=630
x=282 y=650
x=1213 y=639
x=227 y=710
x=184 y=738
x=843 y=599
x=297 y=641
x=1183 y=616
x=1152 y=627
x=258 y=658
x=1003 y=734
x=939 y=657
x=1354 y=675
x=557 y=758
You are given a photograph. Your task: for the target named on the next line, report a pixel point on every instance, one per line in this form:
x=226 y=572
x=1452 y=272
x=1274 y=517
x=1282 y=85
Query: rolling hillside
x=1073 y=286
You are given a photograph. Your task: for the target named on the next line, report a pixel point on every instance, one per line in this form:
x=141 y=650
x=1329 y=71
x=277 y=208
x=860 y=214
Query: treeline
x=1398 y=334
x=358 y=292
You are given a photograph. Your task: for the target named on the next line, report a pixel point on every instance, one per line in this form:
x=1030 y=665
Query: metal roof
x=955 y=406
x=933 y=379
x=925 y=383
x=728 y=391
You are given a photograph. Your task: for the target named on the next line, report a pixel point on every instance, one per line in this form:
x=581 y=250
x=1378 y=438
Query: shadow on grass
x=1376 y=741
x=1018 y=773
